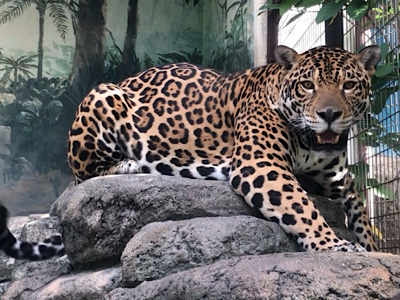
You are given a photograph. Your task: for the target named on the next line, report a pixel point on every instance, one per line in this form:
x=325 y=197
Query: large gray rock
x=163 y=248
x=300 y=276
x=35 y=279
x=85 y=285
x=102 y=214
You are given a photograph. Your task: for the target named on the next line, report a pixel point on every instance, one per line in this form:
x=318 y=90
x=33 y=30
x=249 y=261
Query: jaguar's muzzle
x=328 y=141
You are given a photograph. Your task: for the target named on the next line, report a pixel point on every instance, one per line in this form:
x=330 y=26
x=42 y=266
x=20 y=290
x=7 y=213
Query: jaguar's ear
x=286 y=57
x=369 y=57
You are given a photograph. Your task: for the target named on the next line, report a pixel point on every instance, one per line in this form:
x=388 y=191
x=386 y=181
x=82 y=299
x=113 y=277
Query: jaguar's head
x=324 y=91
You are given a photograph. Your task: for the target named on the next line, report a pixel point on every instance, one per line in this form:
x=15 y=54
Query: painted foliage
x=52 y=53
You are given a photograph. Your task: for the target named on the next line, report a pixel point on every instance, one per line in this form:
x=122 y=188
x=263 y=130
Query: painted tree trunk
x=131 y=30
x=89 y=43
x=42 y=13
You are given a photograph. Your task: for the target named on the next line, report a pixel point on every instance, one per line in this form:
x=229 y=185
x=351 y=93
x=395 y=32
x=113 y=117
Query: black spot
x=257 y=200
x=186 y=173
x=110 y=101
x=302 y=235
x=75 y=146
x=145 y=170
x=205 y=171
x=287 y=188
x=83 y=155
x=288 y=219
x=42 y=249
x=164 y=169
x=245 y=188
x=298 y=208
x=273 y=175
x=235 y=181
x=77 y=131
x=259 y=181
x=247 y=171
x=275 y=197
x=314 y=215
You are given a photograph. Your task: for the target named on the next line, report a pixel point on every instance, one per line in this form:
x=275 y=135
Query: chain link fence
x=374 y=146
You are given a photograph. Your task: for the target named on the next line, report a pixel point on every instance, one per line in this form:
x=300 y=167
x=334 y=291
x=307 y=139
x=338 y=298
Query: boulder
x=300 y=276
x=84 y=285
x=163 y=248
x=36 y=275
x=102 y=214
x=188 y=239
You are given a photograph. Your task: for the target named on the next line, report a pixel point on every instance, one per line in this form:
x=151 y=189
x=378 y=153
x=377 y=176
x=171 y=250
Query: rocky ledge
x=153 y=237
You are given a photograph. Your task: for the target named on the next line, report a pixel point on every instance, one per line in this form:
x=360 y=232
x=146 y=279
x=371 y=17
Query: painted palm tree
x=16 y=67
x=57 y=11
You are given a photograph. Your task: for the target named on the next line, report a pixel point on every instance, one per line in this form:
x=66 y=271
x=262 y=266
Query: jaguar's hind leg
x=126 y=166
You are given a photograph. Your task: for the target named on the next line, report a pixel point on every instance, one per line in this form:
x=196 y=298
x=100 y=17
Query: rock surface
x=188 y=239
x=84 y=285
x=102 y=214
x=297 y=276
x=163 y=248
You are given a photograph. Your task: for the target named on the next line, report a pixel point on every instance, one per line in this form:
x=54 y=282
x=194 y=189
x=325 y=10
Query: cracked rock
x=102 y=214
x=84 y=285
x=163 y=248
x=300 y=276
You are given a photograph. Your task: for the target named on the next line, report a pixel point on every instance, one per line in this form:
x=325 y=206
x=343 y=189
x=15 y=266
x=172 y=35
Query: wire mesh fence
x=376 y=142
x=374 y=145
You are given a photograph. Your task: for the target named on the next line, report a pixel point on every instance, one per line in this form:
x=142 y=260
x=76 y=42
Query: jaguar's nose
x=329 y=115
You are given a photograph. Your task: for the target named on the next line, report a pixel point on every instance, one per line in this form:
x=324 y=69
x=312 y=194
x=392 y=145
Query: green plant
x=57 y=10
x=196 y=57
x=38 y=133
x=15 y=67
x=16 y=166
x=237 y=54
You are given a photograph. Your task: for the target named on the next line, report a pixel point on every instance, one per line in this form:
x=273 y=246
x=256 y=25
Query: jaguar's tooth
x=336 y=140
x=319 y=139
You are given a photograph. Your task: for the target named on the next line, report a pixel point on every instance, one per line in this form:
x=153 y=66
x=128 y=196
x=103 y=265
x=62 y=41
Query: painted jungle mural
x=52 y=53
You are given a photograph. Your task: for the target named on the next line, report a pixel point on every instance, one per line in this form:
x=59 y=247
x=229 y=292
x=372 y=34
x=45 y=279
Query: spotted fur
x=258 y=129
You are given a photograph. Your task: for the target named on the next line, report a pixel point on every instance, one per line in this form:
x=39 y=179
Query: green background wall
x=37 y=108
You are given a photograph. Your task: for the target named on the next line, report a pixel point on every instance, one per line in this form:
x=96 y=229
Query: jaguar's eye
x=348 y=85
x=308 y=85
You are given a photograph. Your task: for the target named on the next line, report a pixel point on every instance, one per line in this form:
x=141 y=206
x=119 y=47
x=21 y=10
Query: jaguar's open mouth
x=328 y=141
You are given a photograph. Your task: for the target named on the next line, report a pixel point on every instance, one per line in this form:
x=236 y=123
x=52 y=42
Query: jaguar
x=257 y=129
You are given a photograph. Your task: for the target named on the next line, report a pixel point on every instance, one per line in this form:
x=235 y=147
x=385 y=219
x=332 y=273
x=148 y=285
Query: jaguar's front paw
x=347 y=246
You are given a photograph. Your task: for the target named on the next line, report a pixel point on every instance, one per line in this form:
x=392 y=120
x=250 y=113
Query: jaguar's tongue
x=328 y=137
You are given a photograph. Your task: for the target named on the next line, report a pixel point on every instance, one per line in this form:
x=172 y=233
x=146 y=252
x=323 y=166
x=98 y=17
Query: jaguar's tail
x=24 y=250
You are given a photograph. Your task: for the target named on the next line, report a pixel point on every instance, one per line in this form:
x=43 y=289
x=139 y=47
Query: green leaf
x=391 y=139
x=383 y=70
x=286 y=5
x=368 y=138
x=295 y=17
x=33 y=106
x=359 y=169
x=379 y=189
x=329 y=10
x=308 y=3
x=357 y=9
x=371 y=123
x=54 y=110
x=384 y=50
x=379 y=101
